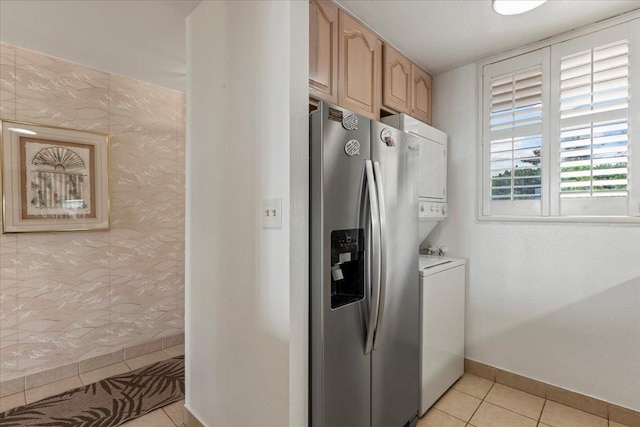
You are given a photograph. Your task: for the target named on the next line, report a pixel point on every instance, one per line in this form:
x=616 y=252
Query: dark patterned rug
x=106 y=403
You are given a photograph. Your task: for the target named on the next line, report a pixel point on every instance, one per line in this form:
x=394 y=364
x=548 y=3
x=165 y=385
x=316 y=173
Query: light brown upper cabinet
x=420 y=94
x=323 y=50
x=359 y=69
x=396 y=84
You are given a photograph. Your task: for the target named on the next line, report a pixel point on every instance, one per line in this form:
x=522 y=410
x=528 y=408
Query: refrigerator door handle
x=383 y=253
x=375 y=265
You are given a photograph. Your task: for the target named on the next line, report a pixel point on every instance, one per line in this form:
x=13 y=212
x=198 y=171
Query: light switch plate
x=271 y=213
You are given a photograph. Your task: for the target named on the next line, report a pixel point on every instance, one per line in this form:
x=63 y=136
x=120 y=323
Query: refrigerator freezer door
x=340 y=368
x=396 y=357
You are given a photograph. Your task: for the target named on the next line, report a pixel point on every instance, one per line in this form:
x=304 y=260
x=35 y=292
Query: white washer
x=442 y=296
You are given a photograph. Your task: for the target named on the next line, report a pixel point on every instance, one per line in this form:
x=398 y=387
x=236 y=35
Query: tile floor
x=471 y=402
x=169 y=416
x=477 y=402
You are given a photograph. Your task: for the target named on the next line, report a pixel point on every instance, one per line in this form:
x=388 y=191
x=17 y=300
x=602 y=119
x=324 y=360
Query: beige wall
x=65 y=297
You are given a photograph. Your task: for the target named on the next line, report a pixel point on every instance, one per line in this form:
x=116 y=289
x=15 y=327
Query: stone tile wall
x=70 y=296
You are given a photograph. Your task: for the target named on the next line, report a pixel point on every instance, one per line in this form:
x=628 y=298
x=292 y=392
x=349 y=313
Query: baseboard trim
x=47 y=376
x=191 y=420
x=618 y=414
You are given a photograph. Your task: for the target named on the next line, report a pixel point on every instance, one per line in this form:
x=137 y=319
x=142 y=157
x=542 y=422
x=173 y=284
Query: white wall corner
x=299 y=235
x=246 y=287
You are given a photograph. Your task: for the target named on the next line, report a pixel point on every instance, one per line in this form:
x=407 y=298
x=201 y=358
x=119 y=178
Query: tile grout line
x=85 y=384
x=107 y=366
x=26 y=402
x=460 y=391
x=23 y=378
x=482 y=401
x=543 y=406
x=443 y=411
x=168 y=416
x=511 y=410
x=473 y=371
x=499 y=406
x=24 y=398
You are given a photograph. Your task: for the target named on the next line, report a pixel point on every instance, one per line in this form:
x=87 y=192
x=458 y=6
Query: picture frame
x=53 y=179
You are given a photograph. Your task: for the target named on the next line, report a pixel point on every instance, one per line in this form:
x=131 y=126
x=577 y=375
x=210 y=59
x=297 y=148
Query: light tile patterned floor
x=169 y=416
x=477 y=402
x=470 y=402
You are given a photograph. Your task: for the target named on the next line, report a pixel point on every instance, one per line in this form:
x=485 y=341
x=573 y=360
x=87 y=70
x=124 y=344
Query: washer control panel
x=432 y=210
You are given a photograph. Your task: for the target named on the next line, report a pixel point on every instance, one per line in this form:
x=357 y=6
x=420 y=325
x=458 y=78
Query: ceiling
x=146 y=39
x=143 y=39
x=441 y=35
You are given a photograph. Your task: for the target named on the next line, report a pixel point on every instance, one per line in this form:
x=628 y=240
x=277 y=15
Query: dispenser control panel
x=347 y=267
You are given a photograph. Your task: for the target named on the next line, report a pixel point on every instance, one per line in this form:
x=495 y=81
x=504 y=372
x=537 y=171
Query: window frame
x=549 y=211
x=521 y=207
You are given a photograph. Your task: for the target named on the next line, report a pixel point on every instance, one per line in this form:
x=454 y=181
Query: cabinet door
x=420 y=94
x=323 y=50
x=360 y=63
x=396 y=74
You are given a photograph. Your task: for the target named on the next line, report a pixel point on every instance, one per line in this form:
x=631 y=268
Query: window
x=514 y=131
x=558 y=129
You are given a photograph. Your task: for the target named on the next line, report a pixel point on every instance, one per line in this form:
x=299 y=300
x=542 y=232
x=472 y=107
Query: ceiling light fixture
x=20 y=130
x=515 y=7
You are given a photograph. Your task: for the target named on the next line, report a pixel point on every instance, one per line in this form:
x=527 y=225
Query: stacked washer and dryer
x=442 y=278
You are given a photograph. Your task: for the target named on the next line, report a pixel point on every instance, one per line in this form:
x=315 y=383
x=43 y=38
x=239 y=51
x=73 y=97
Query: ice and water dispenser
x=347 y=267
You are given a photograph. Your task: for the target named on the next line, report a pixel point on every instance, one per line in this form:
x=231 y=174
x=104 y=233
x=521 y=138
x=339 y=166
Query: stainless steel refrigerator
x=364 y=294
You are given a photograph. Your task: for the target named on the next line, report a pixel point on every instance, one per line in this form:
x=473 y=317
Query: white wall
x=554 y=302
x=241 y=127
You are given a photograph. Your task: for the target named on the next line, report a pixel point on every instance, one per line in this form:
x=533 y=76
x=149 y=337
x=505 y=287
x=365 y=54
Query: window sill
x=602 y=220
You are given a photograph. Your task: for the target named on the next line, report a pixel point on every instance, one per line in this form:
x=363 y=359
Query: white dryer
x=442 y=304
x=432 y=184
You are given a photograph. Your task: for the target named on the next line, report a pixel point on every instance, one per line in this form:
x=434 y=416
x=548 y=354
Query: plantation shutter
x=514 y=102
x=560 y=130
x=591 y=132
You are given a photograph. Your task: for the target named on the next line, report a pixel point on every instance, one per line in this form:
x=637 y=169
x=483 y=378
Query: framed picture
x=53 y=179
